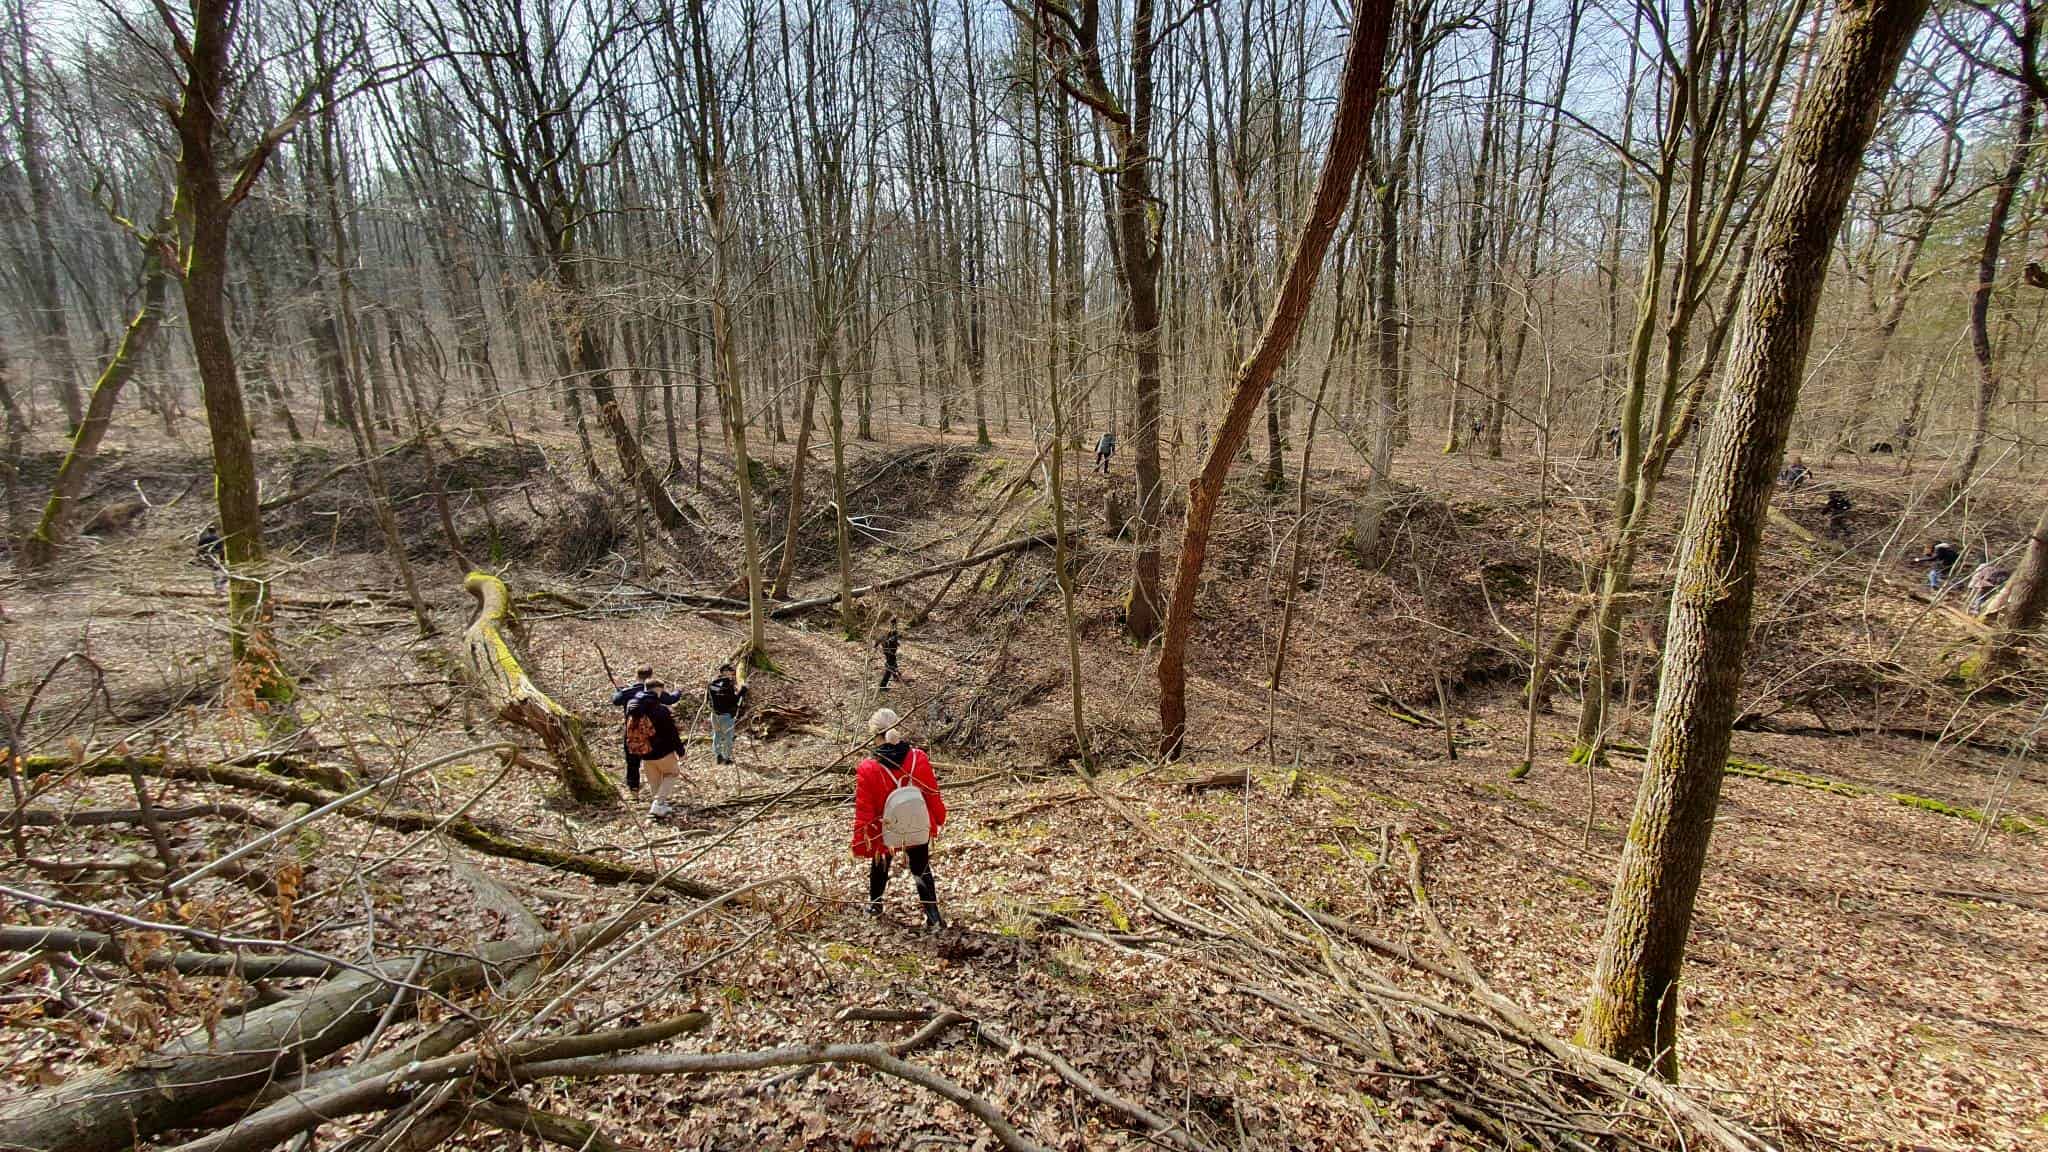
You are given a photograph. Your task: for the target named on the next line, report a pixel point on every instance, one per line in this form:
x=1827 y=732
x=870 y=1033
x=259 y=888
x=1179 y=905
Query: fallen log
x=459 y=828
x=796 y=607
x=99 y=945
x=489 y=654
x=100 y=817
x=226 y=1060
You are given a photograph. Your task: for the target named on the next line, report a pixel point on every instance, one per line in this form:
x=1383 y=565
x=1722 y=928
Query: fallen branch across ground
x=797 y=607
x=468 y=832
x=99 y=945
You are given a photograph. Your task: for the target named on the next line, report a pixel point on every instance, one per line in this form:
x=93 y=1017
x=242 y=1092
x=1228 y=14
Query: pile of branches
x=1472 y=1053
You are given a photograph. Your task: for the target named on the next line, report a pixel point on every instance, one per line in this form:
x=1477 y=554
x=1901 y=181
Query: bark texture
x=1349 y=138
x=1633 y=1011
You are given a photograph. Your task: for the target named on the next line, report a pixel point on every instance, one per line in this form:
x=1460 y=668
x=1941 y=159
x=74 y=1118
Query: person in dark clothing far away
x=890 y=643
x=212 y=551
x=1795 y=476
x=897 y=807
x=1941 y=560
x=1614 y=441
x=1837 y=511
x=651 y=735
x=1104 y=449
x=725 y=695
x=643 y=678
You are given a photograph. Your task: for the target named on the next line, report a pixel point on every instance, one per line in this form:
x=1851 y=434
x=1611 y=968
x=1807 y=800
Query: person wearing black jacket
x=1941 y=560
x=643 y=678
x=651 y=729
x=890 y=644
x=724 y=695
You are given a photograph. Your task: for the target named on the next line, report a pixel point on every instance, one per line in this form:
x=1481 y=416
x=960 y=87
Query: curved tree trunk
x=40 y=548
x=1349 y=136
x=1965 y=467
x=1633 y=1011
x=490 y=653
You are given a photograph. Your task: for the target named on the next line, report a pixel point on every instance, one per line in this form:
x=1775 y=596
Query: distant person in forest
x=643 y=682
x=897 y=807
x=651 y=737
x=1614 y=441
x=1104 y=449
x=1984 y=584
x=1796 y=475
x=724 y=695
x=889 y=645
x=1836 y=509
x=1202 y=439
x=1478 y=428
x=212 y=551
x=1941 y=559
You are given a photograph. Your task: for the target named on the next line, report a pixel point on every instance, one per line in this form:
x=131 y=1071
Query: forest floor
x=1866 y=954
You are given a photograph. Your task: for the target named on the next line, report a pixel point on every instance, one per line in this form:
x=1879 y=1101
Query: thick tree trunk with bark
x=1350 y=134
x=490 y=653
x=1633 y=1012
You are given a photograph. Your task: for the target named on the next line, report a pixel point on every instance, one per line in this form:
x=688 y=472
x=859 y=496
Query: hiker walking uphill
x=897 y=808
x=643 y=682
x=724 y=695
x=651 y=735
x=1104 y=449
x=890 y=643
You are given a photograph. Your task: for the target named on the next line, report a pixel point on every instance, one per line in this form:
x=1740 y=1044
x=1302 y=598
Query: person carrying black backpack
x=725 y=695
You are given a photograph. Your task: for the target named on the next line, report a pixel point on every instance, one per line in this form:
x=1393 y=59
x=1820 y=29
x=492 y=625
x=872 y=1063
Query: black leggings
x=920 y=858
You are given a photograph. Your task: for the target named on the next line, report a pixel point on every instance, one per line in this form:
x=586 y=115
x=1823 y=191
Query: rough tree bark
x=490 y=654
x=1633 y=1010
x=1350 y=134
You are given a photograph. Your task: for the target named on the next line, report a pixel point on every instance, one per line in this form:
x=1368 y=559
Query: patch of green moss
x=2013 y=824
x=1580 y=884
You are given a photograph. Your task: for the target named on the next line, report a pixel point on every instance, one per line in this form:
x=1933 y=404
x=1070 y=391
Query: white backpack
x=906 y=821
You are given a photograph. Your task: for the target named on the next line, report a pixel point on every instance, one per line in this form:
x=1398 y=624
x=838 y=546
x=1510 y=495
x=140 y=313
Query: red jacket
x=871 y=788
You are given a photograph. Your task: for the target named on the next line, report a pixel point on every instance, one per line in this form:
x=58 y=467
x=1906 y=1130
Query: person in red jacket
x=894 y=764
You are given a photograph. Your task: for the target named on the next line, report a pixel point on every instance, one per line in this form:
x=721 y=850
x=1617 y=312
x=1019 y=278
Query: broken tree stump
x=490 y=654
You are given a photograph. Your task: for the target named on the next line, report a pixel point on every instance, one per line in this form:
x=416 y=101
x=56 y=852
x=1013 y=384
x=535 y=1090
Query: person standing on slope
x=651 y=735
x=643 y=679
x=725 y=694
x=897 y=807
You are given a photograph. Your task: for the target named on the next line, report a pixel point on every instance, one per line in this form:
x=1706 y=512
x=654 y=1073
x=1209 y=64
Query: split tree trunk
x=1349 y=136
x=1633 y=1011
x=2024 y=600
x=490 y=653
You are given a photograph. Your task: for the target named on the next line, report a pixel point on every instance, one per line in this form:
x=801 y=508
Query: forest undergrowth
x=1349 y=919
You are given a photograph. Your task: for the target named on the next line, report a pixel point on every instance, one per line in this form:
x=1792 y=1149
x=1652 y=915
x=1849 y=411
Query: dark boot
x=878 y=883
x=928 y=895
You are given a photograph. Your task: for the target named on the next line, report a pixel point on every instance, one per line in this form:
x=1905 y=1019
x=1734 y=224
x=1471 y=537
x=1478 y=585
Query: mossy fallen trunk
x=490 y=655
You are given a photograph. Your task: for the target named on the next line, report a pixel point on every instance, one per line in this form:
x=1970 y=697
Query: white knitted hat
x=883 y=724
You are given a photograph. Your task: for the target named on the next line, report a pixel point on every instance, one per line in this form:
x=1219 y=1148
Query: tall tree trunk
x=1986 y=397
x=1350 y=134
x=203 y=209
x=51 y=321
x=50 y=533
x=1633 y=1011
